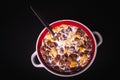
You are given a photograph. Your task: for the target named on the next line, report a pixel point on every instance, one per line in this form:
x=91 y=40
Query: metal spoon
x=42 y=20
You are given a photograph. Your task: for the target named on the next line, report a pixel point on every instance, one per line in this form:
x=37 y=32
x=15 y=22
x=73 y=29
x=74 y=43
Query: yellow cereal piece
x=75 y=42
x=57 y=29
x=72 y=34
x=69 y=39
x=73 y=64
x=66 y=51
x=63 y=42
x=46 y=41
x=49 y=36
x=64 y=25
x=85 y=38
x=82 y=49
x=53 y=52
x=52 y=39
x=78 y=36
x=84 y=60
x=77 y=48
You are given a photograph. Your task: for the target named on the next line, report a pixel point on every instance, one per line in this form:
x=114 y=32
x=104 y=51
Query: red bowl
x=68 y=22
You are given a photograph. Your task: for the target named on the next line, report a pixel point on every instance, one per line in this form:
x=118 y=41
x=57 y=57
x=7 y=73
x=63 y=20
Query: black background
x=20 y=29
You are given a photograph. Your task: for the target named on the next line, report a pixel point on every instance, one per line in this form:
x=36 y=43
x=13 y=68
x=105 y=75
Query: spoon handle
x=42 y=20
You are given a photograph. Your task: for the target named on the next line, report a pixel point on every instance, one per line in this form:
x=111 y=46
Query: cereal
x=73 y=64
x=69 y=49
x=84 y=60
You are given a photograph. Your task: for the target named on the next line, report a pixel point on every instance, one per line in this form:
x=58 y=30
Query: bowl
x=73 y=52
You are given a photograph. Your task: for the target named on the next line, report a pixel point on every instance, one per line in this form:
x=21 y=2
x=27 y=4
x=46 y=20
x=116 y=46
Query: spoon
x=42 y=21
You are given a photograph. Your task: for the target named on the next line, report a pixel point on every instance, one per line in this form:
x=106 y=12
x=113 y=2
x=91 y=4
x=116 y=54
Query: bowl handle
x=33 y=56
x=99 y=37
